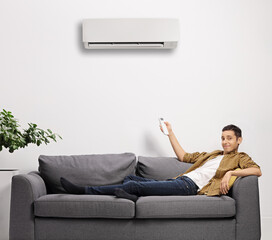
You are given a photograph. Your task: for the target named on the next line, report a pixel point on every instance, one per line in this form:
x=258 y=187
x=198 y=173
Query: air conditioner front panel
x=134 y=33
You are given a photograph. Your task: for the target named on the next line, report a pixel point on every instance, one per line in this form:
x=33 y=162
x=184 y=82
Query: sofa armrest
x=25 y=189
x=246 y=194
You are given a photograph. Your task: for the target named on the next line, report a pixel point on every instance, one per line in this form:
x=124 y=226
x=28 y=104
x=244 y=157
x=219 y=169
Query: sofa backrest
x=92 y=170
x=160 y=168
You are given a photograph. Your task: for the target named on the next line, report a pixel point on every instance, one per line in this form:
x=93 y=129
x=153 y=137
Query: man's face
x=230 y=142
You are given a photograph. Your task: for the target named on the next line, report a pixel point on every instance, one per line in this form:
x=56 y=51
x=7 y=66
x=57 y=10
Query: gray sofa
x=40 y=208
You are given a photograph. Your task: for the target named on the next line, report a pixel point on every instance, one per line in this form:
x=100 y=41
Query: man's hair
x=237 y=131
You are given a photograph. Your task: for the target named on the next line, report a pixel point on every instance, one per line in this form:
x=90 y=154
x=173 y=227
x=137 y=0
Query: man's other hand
x=224 y=187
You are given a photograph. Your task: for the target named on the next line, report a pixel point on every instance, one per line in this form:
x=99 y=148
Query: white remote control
x=164 y=128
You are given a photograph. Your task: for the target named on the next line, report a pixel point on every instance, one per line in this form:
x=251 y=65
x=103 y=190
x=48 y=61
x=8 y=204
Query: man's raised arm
x=179 y=151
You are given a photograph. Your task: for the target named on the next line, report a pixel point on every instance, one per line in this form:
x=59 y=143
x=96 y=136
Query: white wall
x=109 y=101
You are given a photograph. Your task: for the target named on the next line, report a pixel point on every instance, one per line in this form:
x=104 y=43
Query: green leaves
x=13 y=139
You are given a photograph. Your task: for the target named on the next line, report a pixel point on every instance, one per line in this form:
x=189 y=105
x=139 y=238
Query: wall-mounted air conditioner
x=130 y=33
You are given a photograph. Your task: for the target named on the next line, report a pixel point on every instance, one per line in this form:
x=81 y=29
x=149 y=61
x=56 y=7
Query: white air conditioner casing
x=130 y=33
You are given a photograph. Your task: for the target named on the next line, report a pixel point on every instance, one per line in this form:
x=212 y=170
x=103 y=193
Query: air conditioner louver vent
x=125 y=44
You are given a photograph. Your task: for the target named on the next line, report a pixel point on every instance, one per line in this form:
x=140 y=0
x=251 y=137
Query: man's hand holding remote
x=174 y=142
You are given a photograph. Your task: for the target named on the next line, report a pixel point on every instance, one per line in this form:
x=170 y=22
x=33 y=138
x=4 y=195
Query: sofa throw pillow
x=93 y=170
x=160 y=168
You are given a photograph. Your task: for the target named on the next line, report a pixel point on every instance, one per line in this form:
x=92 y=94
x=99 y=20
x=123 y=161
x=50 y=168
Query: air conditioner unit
x=130 y=33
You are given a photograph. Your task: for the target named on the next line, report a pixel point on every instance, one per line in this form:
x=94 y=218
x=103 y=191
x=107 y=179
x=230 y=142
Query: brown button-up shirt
x=230 y=161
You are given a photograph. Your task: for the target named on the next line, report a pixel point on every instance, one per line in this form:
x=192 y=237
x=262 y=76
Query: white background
x=110 y=101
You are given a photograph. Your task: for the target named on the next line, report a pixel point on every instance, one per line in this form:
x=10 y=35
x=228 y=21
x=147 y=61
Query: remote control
x=164 y=128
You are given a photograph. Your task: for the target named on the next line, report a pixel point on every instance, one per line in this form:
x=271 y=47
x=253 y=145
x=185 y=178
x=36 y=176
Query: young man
x=209 y=174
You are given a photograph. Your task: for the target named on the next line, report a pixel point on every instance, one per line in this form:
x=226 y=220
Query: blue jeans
x=148 y=187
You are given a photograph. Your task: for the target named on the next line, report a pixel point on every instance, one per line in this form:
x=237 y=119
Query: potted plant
x=12 y=138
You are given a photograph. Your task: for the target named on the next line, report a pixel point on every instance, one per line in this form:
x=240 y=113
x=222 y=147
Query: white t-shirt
x=202 y=175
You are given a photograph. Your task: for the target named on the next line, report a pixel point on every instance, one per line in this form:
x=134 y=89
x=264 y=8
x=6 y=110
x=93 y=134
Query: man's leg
x=99 y=190
x=179 y=186
x=121 y=193
x=137 y=179
x=75 y=189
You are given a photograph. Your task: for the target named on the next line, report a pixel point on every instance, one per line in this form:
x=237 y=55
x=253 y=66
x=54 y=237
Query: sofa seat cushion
x=83 y=206
x=199 y=206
